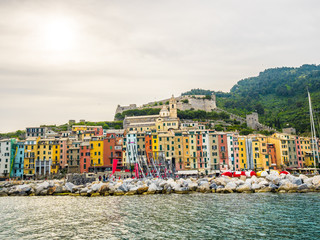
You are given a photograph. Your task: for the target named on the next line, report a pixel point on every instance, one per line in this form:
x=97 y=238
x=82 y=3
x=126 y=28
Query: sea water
x=193 y=216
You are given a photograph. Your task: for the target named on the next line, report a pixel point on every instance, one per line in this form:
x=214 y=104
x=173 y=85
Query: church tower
x=173 y=107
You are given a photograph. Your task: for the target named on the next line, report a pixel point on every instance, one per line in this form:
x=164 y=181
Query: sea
x=174 y=216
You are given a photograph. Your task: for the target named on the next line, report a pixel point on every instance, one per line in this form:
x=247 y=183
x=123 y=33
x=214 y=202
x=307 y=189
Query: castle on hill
x=187 y=102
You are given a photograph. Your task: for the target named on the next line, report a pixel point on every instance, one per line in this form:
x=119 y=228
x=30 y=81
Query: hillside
x=279 y=95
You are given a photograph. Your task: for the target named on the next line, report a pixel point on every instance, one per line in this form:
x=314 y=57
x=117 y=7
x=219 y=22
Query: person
x=100 y=178
x=104 y=178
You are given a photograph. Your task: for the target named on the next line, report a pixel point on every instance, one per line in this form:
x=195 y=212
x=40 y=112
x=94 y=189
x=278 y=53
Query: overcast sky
x=62 y=60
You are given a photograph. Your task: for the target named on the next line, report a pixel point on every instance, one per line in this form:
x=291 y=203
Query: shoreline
x=273 y=183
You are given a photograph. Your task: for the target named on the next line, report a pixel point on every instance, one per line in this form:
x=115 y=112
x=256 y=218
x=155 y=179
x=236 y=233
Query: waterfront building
x=6 y=153
x=96 y=153
x=214 y=161
x=30 y=153
x=85 y=155
x=17 y=165
x=47 y=157
x=73 y=157
x=223 y=151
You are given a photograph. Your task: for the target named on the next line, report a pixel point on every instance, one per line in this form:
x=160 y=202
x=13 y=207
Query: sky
x=76 y=59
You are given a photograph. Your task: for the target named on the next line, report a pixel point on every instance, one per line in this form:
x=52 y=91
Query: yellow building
x=96 y=151
x=48 y=157
x=193 y=150
x=280 y=140
x=242 y=152
x=30 y=154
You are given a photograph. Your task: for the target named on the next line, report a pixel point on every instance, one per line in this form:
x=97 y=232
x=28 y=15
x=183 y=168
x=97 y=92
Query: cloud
x=139 y=51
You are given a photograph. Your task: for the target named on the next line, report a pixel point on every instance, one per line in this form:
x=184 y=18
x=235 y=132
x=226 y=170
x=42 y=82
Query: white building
x=5 y=155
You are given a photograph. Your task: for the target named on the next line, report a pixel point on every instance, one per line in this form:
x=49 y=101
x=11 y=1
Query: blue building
x=18 y=160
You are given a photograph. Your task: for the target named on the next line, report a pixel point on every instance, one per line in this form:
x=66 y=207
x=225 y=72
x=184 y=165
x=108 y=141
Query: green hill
x=279 y=95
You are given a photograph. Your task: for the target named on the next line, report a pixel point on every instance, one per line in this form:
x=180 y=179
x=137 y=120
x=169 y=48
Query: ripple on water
x=195 y=216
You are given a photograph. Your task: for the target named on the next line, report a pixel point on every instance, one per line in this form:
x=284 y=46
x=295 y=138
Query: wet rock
x=142 y=189
x=204 y=188
x=104 y=188
x=152 y=188
x=255 y=186
x=51 y=190
x=264 y=190
x=243 y=188
x=231 y=186
x=213 y=185
x=288 y=186
x=69 y=186
x=316 y=180
x=123 y=187
x=96 y=187
x=273 y=186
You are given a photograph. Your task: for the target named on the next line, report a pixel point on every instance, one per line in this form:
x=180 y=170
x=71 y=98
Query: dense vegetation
x=137 y=112
x=17 y=134
x=279 y=95
x=104 y=124
x=197 y=91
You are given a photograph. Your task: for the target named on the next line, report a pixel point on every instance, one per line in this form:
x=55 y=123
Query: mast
x=315 y=151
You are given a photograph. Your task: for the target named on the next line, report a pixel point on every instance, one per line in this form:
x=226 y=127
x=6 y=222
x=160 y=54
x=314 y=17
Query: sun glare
x=59 y=35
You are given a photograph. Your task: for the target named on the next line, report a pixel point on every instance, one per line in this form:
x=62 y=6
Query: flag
x=136 y=170
x=114 y=165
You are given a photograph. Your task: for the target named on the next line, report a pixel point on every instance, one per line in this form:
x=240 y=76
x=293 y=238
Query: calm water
x=196 y=216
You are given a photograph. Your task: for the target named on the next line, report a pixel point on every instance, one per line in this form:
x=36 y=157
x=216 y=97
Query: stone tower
x=173 y=107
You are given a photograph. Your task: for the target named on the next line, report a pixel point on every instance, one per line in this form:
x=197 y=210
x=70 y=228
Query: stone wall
x=196 y=103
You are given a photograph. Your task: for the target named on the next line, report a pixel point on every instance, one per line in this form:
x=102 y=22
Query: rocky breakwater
x=271 y=183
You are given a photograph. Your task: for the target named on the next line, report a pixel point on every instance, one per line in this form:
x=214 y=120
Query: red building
x=223 y=151
x=112 y=149
x=84 y=157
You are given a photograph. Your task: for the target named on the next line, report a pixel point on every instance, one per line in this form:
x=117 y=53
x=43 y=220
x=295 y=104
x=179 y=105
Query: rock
x=213 y=185
x=152 y=188
x=316 y=180
x=243 y=178
x=243 y=188
x=104 y=188
x=303 y=177
x=204 y=188
x=303 y=186
x=182 y=190
x=263 y=190
x=264 y=183
x=24 y=188
x=231 y=186
x=123 y=188
x=51 y=190
x=255 y=186
x=264 y=174
x=297 y=181
x=69 y=186
x=96 y=187
x=193 y=186
x=273 y=186
x=142 y=189
x=288 y=186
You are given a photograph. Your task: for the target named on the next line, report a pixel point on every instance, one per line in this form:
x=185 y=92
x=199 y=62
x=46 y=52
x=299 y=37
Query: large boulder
x=204 y=188
x=255 y=186
x=303 y=187
x=152 y=188
x=69 y=186
x=96 y=186
x=287 y=186
x=123 y=187
x=231 y=186
x=193 y=186
x=316 y=180
x=142 y=189
x=51 y=190
x=104 y=188
x=244 y=188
